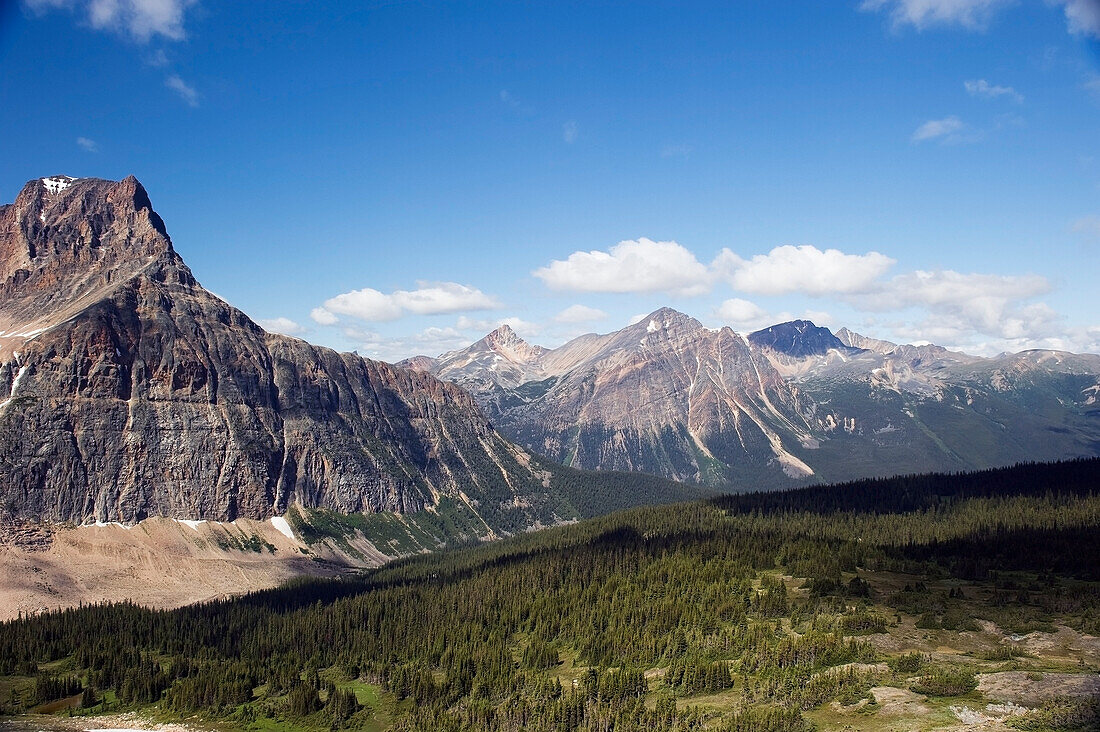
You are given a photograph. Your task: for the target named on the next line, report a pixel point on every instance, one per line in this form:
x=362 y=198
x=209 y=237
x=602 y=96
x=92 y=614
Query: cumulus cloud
x=185 y=91
x=958 y=304
x=286 y=326
x=640 y=265
x=805 y=269
x=430 y=298
x=579 y=314
x=430 y=341
x=1082 y=16
x=982 y=88
x=480 y=326
x=643 y=266
x=921 y=14
x=140 y=19
x=947 y=129
x=87 y=145
x=743 y=315
x=323 y=317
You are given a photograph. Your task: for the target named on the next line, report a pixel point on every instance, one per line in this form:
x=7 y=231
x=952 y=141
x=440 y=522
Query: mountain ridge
x=818 y=400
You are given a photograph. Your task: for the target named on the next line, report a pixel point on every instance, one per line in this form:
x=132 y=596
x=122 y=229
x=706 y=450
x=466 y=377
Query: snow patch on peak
x=57 y=183
x=654 y=326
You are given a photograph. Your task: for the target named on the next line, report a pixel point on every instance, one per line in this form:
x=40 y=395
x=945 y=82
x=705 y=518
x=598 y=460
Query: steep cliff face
x=129 y=391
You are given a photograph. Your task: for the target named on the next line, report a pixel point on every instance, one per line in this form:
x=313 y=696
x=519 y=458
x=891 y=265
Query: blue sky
x=400 y=177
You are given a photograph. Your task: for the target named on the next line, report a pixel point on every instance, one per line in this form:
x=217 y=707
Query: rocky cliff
x=129 y=391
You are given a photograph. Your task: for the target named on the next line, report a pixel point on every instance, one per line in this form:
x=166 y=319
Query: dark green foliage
x=48 y=688
x=767 y=719
x=946 y=682
x=1061 y=714
x=908 y=663
x=666 y=602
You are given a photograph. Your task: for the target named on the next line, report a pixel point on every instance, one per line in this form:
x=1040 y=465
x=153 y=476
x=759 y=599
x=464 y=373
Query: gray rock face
x=127 y=391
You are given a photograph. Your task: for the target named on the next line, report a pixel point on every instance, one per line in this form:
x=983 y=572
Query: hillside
x=964 y=602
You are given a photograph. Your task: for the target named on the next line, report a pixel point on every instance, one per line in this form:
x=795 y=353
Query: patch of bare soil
x=1031 y=688
x=158 y=563
x=899 y=702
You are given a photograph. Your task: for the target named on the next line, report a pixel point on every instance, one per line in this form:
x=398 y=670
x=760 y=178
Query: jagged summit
x=64 y=246
x=57 y=183
x=667 y=318
x=798 y=338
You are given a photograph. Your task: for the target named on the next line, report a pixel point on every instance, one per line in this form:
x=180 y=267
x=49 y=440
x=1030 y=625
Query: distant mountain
x=128 y=391
x=798 y=338
x=788 y=404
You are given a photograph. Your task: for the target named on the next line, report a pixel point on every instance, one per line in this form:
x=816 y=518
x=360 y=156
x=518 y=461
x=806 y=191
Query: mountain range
x=789 y=404
x=128 y=391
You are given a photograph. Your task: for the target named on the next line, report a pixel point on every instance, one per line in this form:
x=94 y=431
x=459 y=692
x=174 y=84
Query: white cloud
x=323 y=317
x=1087 y=225
x=921 y=14
x=186 y=92
x=479 y=326
x=286 y=326
x=958 y=305
x=569 y=132
x=743 y=315
x=431 y=298
x=87 y=145
x=638 y=265
x=1082 y=16
x=430 y=341
x=805 y=269
x=366 y=304
x=982 y=88
x=141 y=19
x=948 y=129
x=579 y=314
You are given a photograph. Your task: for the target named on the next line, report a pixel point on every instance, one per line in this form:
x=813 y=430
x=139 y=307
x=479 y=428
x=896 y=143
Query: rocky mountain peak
x=507 y=343
x=798 y=338
x=667 y=319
